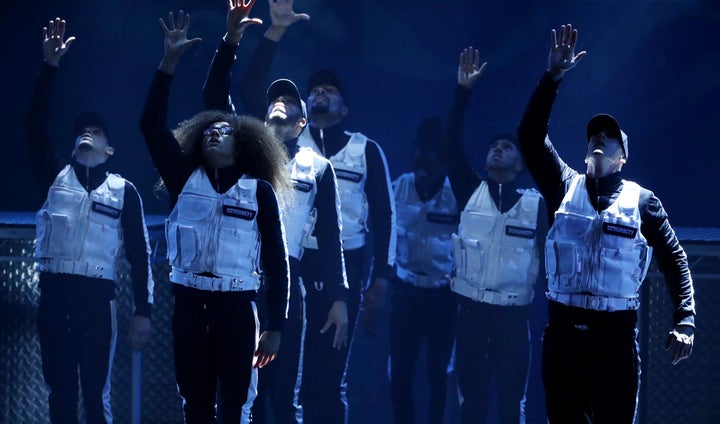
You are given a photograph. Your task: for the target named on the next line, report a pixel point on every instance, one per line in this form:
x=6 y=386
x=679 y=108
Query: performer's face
x=219 y=144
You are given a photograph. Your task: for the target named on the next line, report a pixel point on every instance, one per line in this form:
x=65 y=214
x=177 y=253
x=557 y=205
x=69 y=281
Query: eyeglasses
x=224 y=130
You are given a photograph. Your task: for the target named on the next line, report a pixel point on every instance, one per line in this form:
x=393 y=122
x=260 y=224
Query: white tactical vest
x=424 y=234
x=306 y=168
x=351 y=172
x=496 y=254
x=79 y=232
x=209 y=232
x=597 y=261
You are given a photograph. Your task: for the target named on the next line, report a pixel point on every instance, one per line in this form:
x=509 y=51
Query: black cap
x=606 y=122
x=284 y=87
x=326 y=77
x=89 y=119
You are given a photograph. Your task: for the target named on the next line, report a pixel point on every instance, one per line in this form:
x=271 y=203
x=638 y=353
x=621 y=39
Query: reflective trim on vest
x=305 y=170
x=217 y=233
x=496 y=254
x=351 y=172
x=424 y=233
x=593 y=255
x=79 y=232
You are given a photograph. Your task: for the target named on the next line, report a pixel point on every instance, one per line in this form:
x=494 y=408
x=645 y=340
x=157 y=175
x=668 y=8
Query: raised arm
x=43 y=158
x=216 y=90
x=463 y=179
x=254 y=78
x=542 y=160
x=170 y=161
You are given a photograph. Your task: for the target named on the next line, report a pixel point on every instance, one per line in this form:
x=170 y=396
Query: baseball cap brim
x=284 y=87
x=607 y=123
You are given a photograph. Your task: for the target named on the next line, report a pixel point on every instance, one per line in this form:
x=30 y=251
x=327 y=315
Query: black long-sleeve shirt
x=175 y=168
x=46 y=164
x=330 y=141
x=216 y=93
x=464 y=180
x=553 y=177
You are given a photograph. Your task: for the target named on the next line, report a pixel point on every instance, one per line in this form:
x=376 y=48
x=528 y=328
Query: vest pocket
x=171 y=238
x=561 y=260
x=237 y=252
x=101 y=243
x=476 y=225
x=188 y=246
x=621 y=272
x=53 y=234
x=472 y=258
x=354 y=212
x=516 y=266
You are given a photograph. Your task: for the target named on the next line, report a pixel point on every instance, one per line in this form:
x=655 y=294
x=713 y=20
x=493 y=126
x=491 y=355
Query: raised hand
x=562 y=55
x=469 y=68
x=54 y=47
x=282 y=13
x=176 y=41
x=238 y=19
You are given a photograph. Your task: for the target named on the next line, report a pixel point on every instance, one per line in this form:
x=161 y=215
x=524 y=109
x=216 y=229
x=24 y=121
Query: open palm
x=469 y=68
x=54 y=43
x=282 y=13
x=176 y=41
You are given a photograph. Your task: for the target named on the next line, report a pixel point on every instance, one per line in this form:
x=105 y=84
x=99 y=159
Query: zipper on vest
x=215 y=224
x=322 y=142
x=87 y=178
x=500 y=198
x=597 y=199
x=594 y=259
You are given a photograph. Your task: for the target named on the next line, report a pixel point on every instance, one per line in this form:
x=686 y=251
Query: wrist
x=168 y=64
x=555 y=73
x=275 y=32
x=53 y=62
x=232 y=38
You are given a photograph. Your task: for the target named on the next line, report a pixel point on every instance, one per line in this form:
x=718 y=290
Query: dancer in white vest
x=598 y=250
x=366 y=204
x=368 y=213
x=497 y=255
x=424 y=309
x=88 y=218
x=312 y=227
x=224 y=235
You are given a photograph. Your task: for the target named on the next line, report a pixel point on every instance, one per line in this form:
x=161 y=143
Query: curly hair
x=258 y=153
